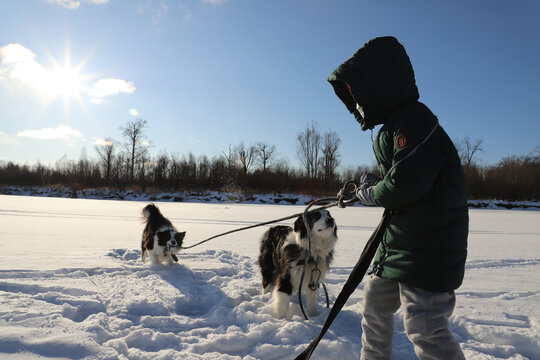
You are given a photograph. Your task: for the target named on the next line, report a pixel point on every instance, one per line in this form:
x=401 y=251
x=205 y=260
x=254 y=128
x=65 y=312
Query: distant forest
x=254 y=169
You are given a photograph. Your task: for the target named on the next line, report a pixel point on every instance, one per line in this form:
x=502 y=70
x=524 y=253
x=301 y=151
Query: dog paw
x=281 y=304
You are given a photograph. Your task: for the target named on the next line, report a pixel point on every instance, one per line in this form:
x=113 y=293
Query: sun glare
x=66 y=82
x=59 y=80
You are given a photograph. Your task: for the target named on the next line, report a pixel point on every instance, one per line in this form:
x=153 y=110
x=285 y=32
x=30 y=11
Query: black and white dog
x=160 y=240
x=283 y=253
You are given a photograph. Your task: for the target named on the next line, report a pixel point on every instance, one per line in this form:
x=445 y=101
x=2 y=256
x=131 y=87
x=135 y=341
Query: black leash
x=352 y=282
x=342 y=202
x=346 y=197
x=332 y=202
x=264 y=223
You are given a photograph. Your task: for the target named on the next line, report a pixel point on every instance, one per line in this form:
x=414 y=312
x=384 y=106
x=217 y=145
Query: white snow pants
x=425 y=318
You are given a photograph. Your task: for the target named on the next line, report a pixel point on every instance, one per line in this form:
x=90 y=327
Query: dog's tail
x=151 y=211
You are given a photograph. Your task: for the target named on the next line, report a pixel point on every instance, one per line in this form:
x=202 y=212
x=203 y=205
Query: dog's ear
x=300 y=227
x=180 y=236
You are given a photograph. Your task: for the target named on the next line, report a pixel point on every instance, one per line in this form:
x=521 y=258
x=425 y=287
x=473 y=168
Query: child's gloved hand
x=345 y=195
x=368 y=180
x=366 y=196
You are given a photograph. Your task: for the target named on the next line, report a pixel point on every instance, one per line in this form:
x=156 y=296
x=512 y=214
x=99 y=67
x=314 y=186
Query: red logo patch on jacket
x=401 y=141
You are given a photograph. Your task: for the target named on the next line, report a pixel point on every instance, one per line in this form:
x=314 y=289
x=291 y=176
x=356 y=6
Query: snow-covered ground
x=72 y=285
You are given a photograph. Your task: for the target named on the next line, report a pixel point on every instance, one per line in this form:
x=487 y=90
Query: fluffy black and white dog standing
x=160 y=240
x=283 y=253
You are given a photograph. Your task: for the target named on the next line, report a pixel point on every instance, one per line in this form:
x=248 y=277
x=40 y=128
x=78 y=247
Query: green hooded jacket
x=423 y=185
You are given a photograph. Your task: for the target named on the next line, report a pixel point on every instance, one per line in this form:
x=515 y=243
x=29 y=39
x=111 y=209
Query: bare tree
x=192 y=166
x=203 y=173
x=264 y=152
x=142 y=161
x=105 y=150
x=119 y=170
x=330 y=159
x=161 y=169
x=536 y=154
x=245 y=155
x=218 y=172
x=308 y=148
x=175 y=175
x=468 y=150
x=83 y=165
x=230 y=157
x=133 y=131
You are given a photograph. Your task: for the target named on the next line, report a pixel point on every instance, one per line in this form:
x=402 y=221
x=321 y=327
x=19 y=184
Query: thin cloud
x=68 y=4
x=111 y=86
x=73 y=4
x=19 y=63
x=96 y=101
x=143 y=8
x=101 y=142
x=61 y=132
x=156 y=18
x=5 y=139
x=15 y=53
x=215 y=2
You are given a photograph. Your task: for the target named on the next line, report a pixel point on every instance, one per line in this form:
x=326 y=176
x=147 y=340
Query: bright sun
x=66 y=82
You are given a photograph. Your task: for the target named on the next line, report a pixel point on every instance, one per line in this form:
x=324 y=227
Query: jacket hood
x=379 y=77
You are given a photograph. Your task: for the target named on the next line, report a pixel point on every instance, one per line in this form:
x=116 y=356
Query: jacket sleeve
x=414 y=177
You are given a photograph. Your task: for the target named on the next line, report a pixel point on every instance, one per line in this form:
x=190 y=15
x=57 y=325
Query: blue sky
x=207 y=74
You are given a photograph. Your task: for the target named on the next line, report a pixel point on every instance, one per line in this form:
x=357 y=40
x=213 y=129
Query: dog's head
x=170 y=239
x=320 y=222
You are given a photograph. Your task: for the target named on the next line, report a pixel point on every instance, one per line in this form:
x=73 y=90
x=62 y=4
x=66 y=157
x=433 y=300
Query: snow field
x=72 y=285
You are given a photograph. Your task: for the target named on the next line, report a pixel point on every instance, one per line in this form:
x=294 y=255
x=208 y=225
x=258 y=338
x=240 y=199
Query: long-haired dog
x=160 y=239
x=283 y=253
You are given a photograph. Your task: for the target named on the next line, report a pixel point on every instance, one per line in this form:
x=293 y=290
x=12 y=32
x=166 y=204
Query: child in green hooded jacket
x=421 y=259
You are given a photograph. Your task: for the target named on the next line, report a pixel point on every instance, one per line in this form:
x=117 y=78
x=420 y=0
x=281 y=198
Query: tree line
x=512 y=178
x=128 y=164
x=254 y=168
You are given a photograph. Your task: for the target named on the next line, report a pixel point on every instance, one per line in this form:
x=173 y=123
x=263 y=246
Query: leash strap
x=352 y=282
x=266 y=222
